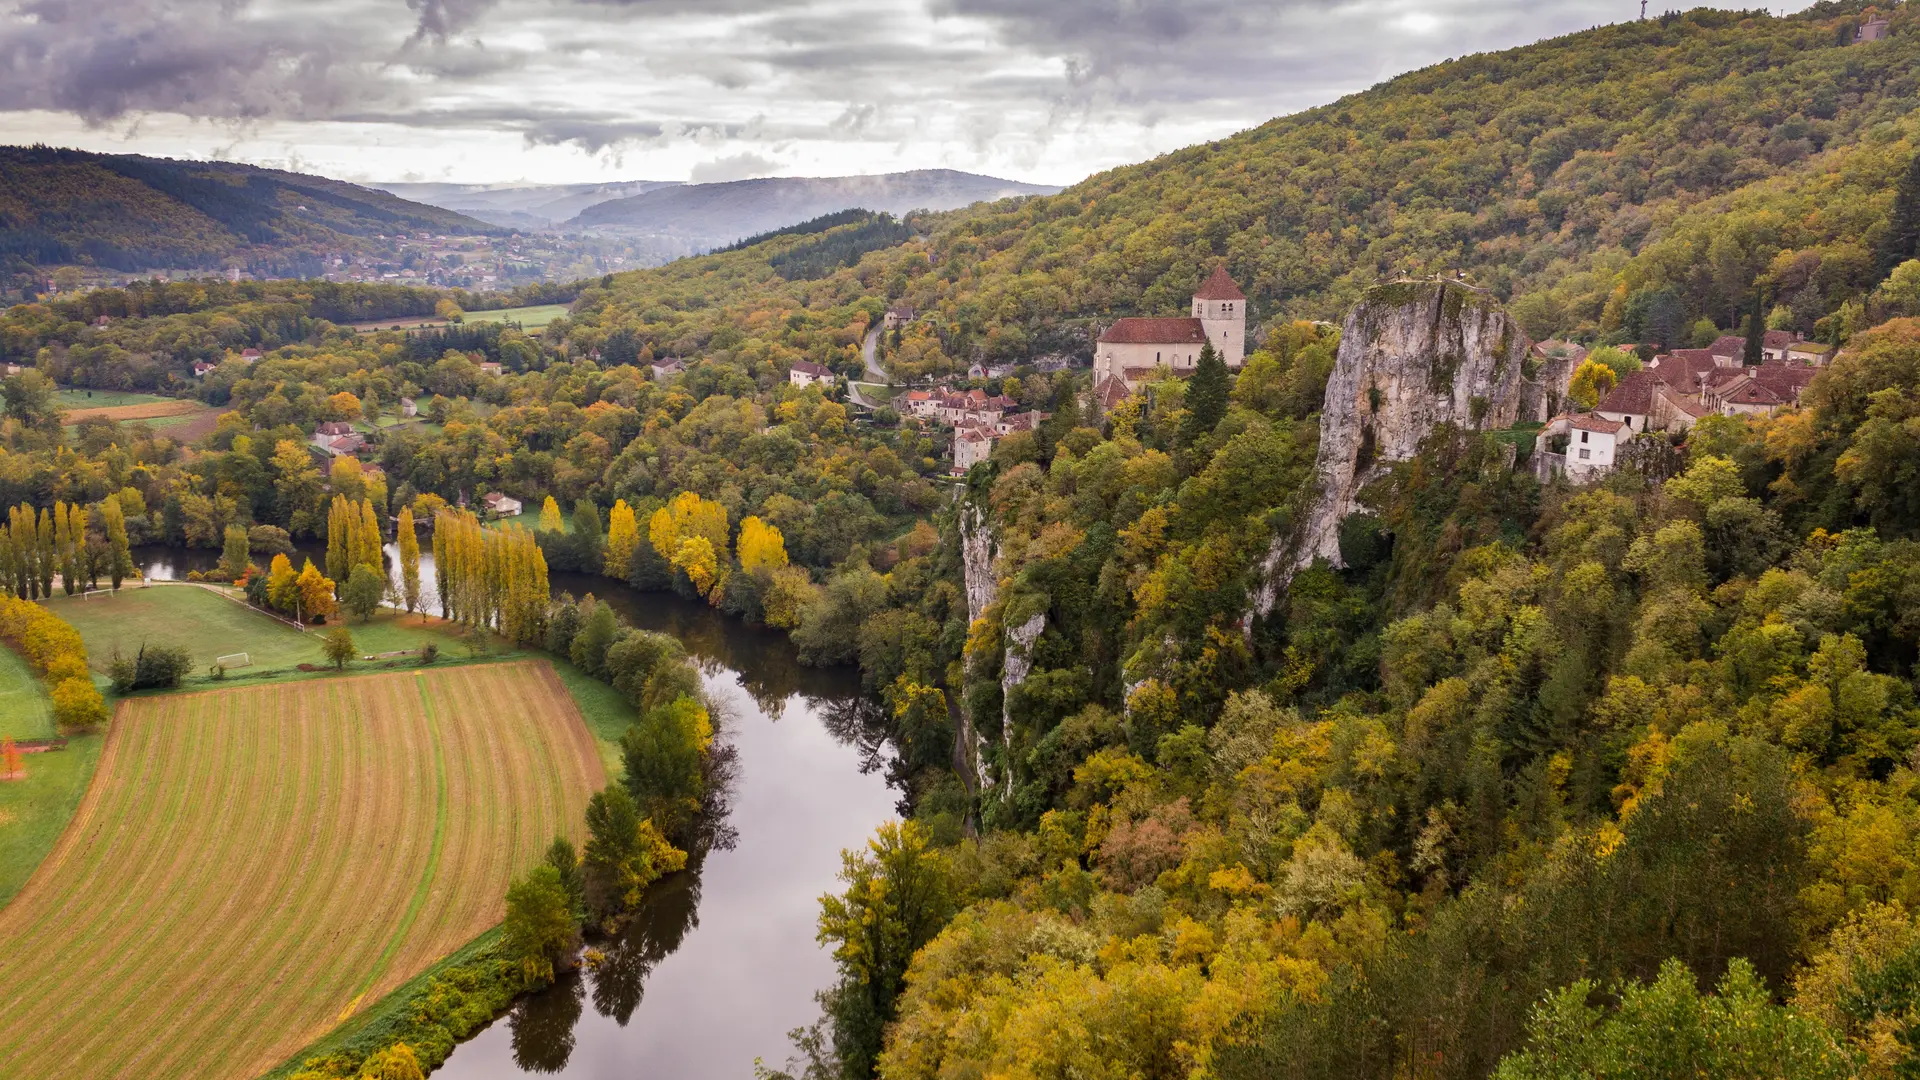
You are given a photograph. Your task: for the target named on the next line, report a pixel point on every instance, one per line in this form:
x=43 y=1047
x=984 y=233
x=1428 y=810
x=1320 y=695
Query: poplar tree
x=368 y=550
x=623 y=536
x=340 y=523
x=63 y=543
x=114 y=519
x=77 y=531
x=409 y=559
x=550 y=519
x=48 y=553
x=442 y=563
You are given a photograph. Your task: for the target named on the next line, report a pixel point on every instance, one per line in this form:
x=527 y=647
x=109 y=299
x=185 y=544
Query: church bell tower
x=1222 y=310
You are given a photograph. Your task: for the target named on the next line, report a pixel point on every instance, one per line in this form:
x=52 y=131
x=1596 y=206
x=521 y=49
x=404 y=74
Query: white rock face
x=1413 y=355
x=977 y=550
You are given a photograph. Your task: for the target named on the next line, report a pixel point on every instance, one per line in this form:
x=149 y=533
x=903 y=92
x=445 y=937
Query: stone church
x=1131 y=348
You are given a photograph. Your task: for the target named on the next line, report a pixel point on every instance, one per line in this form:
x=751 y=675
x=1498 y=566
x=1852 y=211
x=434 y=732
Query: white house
x=1593 y=443
x=1138 y=345
x=806 y=373
x=501 y=505
x=490 y=367
x=898 y=317
x=408 y=407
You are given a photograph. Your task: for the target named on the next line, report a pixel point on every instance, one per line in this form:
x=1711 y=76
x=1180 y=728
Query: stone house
x=1592 y=446
x=897 y=317
x=972 y=444
x=500 y=505
x=408 y=407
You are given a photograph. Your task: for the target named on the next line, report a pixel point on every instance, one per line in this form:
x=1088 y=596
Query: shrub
x=160 y=666
x=429 y=653
x=77 y=704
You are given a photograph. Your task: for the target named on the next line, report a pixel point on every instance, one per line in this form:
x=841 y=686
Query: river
x=721 y=963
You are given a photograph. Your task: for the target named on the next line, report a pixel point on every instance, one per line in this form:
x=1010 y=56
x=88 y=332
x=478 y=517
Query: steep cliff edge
x=1413 y=355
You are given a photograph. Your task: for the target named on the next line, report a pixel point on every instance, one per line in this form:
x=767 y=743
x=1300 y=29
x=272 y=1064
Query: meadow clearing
x=253 y=865
x=533 y=317
x=212 y=625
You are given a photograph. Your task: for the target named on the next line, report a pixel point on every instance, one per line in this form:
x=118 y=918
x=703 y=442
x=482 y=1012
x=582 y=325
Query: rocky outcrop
x=1413 y=355
x=977 y=550
x=1014 y=668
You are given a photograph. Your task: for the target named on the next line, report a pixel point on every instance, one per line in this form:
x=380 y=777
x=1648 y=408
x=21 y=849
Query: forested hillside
x=134 y=213
x=1614 y=780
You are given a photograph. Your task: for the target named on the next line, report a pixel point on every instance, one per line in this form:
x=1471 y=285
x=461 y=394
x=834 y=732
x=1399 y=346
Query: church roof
x=1181 y=331
x=1219 y=287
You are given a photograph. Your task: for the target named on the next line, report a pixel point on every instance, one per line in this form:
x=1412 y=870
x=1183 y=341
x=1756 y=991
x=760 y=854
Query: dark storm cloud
x=189 y=56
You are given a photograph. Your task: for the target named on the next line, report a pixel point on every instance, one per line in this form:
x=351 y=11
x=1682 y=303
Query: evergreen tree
x=1206 y=395
x=1756 y=331
x=1903 y=225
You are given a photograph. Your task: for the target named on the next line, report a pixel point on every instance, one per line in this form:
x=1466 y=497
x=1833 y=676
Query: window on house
x=1585 y=453
x=1583 y=436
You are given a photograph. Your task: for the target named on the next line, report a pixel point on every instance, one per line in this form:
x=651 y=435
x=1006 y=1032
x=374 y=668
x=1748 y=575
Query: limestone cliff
x=1413 y=355
x=977 y=551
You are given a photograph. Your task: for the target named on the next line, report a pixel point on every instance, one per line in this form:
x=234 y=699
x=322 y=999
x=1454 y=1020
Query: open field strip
x=149 y=410
x=251 y=865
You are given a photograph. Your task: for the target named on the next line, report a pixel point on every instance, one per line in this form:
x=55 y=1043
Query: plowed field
x=149 y=410
x=249 y=866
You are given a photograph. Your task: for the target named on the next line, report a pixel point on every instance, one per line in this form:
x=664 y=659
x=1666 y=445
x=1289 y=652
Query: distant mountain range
x=713 y=215
x=522 y=206
x=133 y=213
x=688 y=217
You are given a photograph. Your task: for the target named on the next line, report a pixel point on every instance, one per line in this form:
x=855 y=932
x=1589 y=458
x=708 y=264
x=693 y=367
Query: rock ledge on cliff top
x=1413 y=355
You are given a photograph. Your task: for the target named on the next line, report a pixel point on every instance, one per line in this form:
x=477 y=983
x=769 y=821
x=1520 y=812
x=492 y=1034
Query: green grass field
x=211 y=626
x=34 y=811
x=529 y=318
x=258 y=864
x=102 y=399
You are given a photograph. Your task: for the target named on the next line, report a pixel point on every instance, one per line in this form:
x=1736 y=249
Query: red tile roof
x=1182 y=331
x=1729 y=345
x=1752 y=392
x=808 y=367
x=1634 y=394
x=1590 y=422
x=1219 y=287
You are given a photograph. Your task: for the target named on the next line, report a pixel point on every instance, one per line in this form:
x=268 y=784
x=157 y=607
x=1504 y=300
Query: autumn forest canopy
x=1545 y=779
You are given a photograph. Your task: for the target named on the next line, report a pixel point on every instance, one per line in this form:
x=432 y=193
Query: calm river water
x=721 y=963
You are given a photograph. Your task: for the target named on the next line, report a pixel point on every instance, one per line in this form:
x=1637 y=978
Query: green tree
x=409 y=540
x=664 y=754
x=588 y=650
x=365 y=589
x=119 y=554
x=565 y=860
x=235 y=554
x=899 y=893
x=1668 y=1030
x=338 y=646
x=1902 y=239
x=540 y=927
x=1207 y=394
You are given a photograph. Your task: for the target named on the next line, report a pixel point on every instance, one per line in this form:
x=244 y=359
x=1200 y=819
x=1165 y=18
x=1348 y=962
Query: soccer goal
x=233 y=660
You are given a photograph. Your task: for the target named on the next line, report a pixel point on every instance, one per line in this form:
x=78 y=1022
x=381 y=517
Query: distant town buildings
x=1132 y=348
x=1674 y=391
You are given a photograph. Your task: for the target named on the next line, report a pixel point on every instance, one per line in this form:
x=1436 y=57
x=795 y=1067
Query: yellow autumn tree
x=409 y=559
x=762 y=549
x=1591 y=382
x=697 y=560
x=623 y=537
x=281 y=579
x=688 y=515
x=550 y=519
x=315 y=591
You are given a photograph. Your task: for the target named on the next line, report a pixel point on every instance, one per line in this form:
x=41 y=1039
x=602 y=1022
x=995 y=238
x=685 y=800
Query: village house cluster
x=976 y=417
x=1673 y=391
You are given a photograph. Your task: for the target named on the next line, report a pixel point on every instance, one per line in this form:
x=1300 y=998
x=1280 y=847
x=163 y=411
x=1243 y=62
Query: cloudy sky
x=559 y=91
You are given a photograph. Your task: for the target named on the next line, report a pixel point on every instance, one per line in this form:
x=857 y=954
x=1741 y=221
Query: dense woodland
x=130 y=213
x=1546 y=781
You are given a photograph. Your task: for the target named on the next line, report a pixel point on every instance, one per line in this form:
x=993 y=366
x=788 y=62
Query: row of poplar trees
x=490 y=577
x=36 y=546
